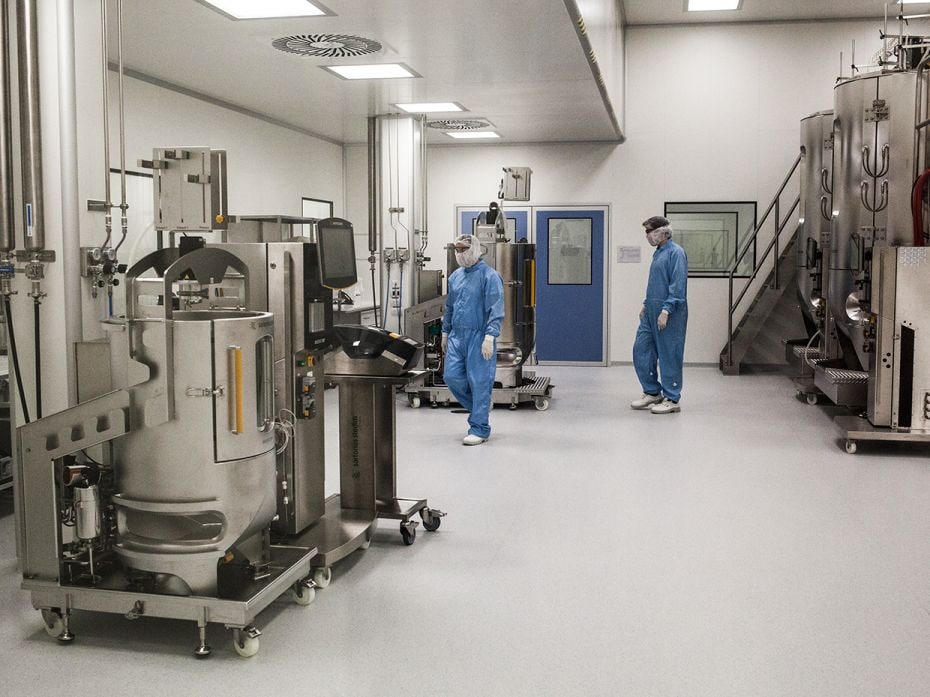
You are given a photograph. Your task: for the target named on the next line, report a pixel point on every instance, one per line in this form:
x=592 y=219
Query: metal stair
x=772 y=314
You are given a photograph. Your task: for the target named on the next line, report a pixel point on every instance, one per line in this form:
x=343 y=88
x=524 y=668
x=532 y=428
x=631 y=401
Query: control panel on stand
x=306 y=388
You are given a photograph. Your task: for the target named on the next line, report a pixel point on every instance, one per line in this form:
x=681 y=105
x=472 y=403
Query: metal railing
x=780 y=224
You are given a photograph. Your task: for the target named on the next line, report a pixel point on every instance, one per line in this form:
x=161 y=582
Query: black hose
x=17 y=374
x=38 y=358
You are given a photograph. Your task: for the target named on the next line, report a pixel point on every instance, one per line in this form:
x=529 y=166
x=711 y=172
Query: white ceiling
x=673 y=12
x=518 y=63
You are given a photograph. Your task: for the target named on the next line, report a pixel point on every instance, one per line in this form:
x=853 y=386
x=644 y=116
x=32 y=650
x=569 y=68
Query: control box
x=305 y=392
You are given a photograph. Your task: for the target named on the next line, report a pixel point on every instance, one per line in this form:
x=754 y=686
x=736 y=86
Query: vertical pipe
x=30 y=124
x=123 y=206
x=7 y=225
x=373 y=206
x=70 y=210
x=108 y=195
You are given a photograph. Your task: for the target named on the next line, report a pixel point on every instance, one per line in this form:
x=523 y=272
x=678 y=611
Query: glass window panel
x=715 y=235
x=570 y=243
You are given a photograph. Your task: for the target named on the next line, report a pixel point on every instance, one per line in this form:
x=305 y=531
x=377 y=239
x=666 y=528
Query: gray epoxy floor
x=732 y=549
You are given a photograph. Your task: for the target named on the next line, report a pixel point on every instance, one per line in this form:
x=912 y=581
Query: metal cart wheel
x=542 y=403
x=246 y=642
x=430 y=522
x=323 y=576
x=304 y=592
x=54 y=624
x=851 y=447
x=408 y=532
x=812 y=398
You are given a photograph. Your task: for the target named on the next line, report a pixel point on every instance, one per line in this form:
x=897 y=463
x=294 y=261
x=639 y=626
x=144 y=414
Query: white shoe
x=666 y=407
x=472 y=439
x=646 y=401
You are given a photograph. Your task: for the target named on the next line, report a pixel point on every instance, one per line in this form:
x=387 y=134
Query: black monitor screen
x=337 y=253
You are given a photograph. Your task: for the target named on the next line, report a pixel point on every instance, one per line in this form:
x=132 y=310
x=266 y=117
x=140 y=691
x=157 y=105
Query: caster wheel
x=812 y=399
x=54 y=624
x=409 y=534
x=430 y=522
x=851 y=447
x=323 y=576
x=303 y=594
x=415 y=402
x=542 y=404
x=246 y=646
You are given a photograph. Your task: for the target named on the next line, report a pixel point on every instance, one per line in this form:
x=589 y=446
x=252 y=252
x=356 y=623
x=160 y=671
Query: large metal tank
x=815 y=214
x=516 y=263
x=202 y=483
x=873 y=175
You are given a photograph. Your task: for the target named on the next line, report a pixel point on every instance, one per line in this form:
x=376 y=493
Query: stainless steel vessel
x=874 y=142
x=203 y=482
x=815 y=208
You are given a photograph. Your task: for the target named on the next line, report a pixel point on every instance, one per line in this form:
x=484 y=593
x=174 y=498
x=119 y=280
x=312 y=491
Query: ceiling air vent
x=327 y=45
x=459 y=124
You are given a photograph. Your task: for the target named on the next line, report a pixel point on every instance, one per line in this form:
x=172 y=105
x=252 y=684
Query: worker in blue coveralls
x=470 y=326
x=659 y=349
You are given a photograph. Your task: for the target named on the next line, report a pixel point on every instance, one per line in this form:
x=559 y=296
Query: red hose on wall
x=917 y=208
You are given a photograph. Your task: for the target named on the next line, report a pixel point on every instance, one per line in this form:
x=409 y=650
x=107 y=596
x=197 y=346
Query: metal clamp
x=867 y=161
x=137 y=610
x=864 y=195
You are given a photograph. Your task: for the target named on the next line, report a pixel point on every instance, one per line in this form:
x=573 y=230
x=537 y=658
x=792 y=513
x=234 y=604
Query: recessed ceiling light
x=249 y=9
x=430 y=107
x=378 y=71
x=472 y=135
x=708 y=5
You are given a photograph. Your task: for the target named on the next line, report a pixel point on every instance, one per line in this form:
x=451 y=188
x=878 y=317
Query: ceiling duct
x=459 y=124
x=327 y=45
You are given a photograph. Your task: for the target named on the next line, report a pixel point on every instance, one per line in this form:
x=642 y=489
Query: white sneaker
x=472 y=439
x=666 y=407
x=646 y=401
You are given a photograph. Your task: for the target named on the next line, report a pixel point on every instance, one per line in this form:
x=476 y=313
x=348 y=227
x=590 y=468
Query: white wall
x=712 y=114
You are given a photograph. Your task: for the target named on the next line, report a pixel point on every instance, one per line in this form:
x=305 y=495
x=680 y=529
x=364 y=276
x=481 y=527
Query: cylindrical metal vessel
x=7 y=236
x=30 y=124
x=815 y=212
x=516 y=263
x=202 y=483
x=872 y=181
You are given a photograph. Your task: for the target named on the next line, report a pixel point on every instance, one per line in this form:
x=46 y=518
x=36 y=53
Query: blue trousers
x=470 y=378
x=658 y=357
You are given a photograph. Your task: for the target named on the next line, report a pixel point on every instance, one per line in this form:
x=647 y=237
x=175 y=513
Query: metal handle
x=529 y=272
x=234 y=360
x=824 y=208
x=264 y=369
x=867 y=161
x=824 y=173
x=864 y=194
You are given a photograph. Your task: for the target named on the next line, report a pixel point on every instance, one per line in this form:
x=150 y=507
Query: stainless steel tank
x=516 y=263
x=202 y=483
x=873 y=175
x=815 y=213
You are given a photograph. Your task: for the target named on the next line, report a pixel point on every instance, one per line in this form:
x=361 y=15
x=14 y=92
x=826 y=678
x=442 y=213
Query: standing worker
x=470 y=325
x=659 y=349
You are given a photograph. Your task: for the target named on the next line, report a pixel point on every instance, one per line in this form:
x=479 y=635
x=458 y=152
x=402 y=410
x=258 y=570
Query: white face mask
x=655 y=237
x=470 y=256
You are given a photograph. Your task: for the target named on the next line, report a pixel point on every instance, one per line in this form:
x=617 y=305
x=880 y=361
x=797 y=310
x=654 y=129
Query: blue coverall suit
x=667 y=290
x=474 y=307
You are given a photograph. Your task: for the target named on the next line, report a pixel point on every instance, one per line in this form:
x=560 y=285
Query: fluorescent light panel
x=249 y=9
x=377 y=71
x=710 y=5
x=430 y=107
x=472 y=135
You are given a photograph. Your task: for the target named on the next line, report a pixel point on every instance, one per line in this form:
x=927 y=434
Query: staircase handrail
x=780 y=224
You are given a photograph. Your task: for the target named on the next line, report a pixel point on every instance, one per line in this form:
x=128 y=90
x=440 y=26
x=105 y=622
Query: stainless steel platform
x=534 y=389
x=113 y=594
x=338 y=533
x=847 y=388
x=856 y=428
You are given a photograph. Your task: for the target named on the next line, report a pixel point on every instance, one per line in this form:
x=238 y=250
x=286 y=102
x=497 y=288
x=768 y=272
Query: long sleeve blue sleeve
x=493 y=303
x=450 y=304
x=677 y=280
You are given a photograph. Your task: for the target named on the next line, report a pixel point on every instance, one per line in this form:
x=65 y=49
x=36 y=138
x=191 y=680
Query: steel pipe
x=7 y=225
x=30 y=124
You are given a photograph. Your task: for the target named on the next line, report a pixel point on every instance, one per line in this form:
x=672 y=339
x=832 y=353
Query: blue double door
x=571 y=287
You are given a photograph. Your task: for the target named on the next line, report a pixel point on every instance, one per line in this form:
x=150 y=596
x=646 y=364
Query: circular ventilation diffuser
x=458 y=124
x=327 y=45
